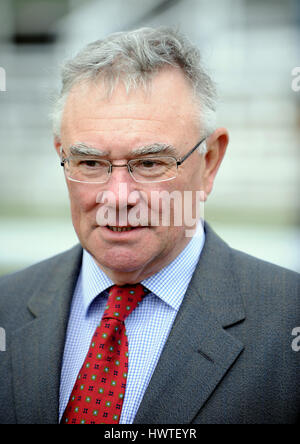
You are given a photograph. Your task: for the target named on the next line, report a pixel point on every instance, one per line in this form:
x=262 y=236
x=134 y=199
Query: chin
x=121 y=261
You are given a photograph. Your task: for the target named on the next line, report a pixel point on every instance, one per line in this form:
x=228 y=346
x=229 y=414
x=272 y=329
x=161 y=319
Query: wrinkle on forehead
x=170 y=91
x=167 y=115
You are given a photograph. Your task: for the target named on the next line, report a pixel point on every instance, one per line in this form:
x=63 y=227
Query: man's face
x=127 y=122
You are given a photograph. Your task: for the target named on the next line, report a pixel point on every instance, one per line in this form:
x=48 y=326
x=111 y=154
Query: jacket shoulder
x=265 y=288
x=263 y=271
x=269 y=291
x=17 y=288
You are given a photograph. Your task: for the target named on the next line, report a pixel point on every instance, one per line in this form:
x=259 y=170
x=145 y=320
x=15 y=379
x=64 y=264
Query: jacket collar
x=215 y=282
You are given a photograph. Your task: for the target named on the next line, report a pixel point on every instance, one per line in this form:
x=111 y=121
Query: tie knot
x=123 y=300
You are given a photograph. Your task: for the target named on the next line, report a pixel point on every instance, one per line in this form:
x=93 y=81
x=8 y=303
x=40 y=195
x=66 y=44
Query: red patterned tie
x=98 y=393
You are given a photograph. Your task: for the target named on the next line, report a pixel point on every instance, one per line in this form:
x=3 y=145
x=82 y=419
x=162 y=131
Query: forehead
x=166 y=110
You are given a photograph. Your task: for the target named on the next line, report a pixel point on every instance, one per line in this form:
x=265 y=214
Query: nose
x=120 y=195
x=121 y=184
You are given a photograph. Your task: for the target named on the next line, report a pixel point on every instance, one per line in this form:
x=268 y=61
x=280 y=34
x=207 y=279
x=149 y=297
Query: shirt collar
x=93 y=280
x=169 y=284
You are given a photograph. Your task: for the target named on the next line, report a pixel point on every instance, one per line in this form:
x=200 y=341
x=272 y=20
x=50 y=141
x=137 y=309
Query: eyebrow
x=81 y=149
x=156 y=148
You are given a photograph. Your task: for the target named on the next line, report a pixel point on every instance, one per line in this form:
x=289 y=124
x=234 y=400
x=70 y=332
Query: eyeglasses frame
x=179 y=162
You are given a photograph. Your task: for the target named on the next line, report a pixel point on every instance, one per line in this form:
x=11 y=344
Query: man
x=208 y=335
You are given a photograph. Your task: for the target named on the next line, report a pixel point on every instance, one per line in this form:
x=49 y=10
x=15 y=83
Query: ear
x=57 y=145
x=216 y=148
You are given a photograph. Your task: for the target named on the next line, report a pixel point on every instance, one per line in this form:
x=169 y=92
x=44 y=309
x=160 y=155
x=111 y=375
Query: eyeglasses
x=90 y=169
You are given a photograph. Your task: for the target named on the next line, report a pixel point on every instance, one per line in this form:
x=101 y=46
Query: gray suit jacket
x=228 y=359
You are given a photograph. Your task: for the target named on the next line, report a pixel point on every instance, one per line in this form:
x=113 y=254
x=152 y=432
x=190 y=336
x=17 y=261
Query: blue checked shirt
x=147 y=327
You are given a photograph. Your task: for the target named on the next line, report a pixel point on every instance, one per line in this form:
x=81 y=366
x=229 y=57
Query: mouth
x=125 y=229
x=121 y=229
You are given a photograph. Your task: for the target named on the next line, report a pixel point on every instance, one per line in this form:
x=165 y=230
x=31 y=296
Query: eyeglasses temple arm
x=180 y=161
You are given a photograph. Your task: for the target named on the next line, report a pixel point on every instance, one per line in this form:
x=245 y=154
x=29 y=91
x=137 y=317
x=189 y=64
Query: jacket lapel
x=37 y=348
x=199 y=352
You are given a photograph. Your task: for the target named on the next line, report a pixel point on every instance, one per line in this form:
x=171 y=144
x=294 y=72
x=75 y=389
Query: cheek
x=82 y=198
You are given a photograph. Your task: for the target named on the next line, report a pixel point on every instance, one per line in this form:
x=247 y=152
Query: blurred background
x=250 y=47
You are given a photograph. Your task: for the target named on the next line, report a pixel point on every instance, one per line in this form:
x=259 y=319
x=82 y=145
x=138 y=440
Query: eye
x=89 y=163
x=148 y=163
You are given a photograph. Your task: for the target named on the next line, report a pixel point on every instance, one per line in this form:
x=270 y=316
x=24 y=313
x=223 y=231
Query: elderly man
x=144 y=322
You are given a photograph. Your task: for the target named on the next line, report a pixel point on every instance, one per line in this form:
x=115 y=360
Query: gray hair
x=134 y=57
